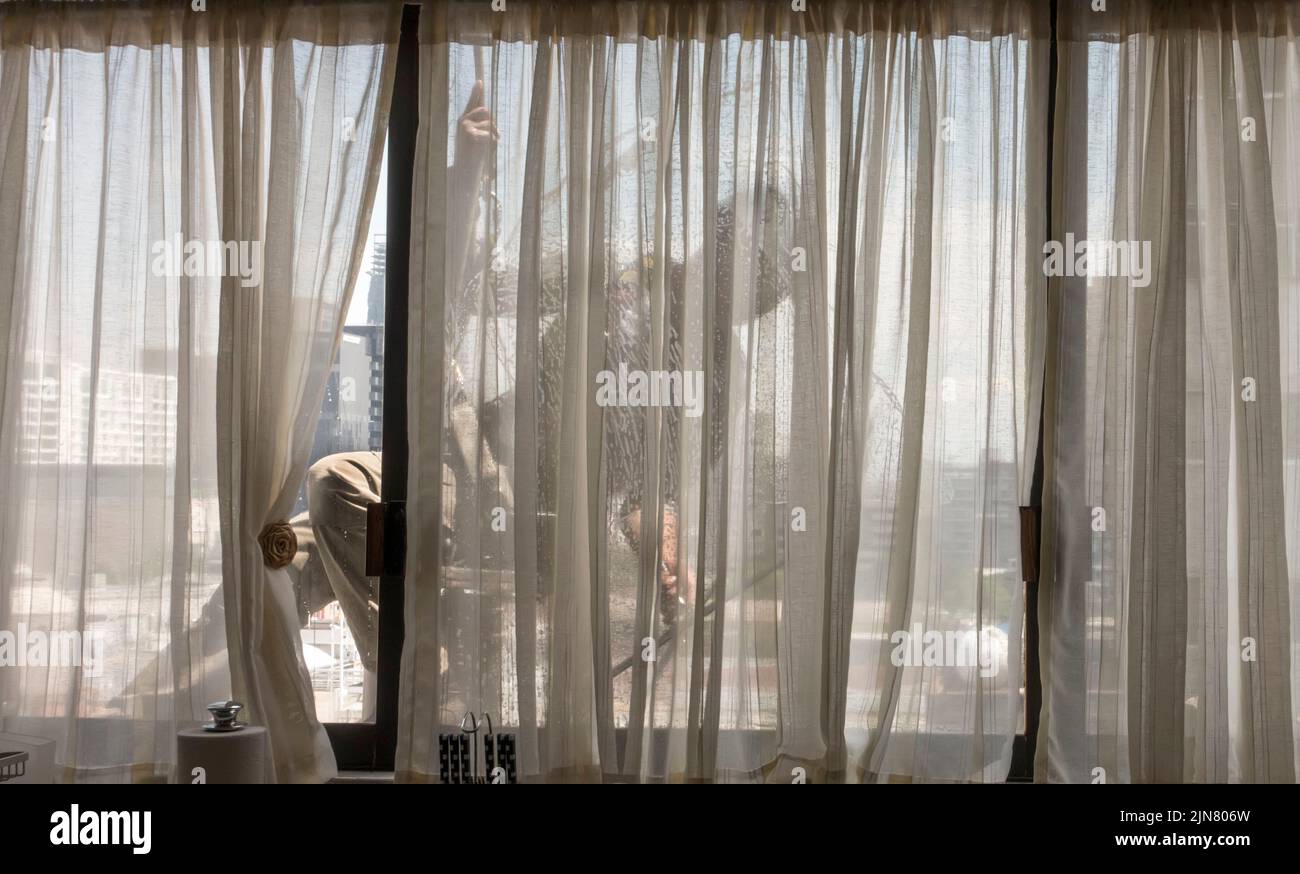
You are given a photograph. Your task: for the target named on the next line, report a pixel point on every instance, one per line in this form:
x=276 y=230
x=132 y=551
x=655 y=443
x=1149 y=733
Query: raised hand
x=475 y=132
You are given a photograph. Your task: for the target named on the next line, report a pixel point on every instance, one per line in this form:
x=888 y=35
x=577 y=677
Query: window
x=339 y=603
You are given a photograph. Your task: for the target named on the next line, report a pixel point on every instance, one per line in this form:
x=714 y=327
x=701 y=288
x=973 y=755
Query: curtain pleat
x=154 y=408
x=1168 y=648
x=822 y=224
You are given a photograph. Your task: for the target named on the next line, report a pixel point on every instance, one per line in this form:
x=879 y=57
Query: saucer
x=212 y=726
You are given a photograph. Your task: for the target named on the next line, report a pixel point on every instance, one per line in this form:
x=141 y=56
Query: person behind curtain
x=338 y=494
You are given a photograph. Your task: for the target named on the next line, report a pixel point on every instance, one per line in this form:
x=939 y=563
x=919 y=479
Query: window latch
x=385 y=538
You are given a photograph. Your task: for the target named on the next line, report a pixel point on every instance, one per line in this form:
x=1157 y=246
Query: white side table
x=223 y=756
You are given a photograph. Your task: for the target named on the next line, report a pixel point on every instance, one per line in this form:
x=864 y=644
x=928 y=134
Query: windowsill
x=364 y=777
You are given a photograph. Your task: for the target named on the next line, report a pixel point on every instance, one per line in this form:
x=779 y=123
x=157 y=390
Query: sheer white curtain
x=825 y=226
x=302 y=178
x=156 y=396
x=1174 y=404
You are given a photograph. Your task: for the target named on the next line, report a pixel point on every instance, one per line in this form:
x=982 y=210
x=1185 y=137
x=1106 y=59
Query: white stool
x=223 y=756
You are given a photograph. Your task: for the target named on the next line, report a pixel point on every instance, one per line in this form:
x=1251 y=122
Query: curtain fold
x=183 y=191
x=1168 y=646
x=306 y=143
x=726 y=321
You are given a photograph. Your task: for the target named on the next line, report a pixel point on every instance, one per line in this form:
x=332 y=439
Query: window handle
x=385 y=538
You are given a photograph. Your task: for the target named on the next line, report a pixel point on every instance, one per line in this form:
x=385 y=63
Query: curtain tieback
x=279 y=544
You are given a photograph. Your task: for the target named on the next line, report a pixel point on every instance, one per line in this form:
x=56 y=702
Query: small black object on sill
x=458 y=761
x=12 y=766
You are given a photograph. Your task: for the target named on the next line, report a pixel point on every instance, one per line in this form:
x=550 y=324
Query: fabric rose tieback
x=279 y=544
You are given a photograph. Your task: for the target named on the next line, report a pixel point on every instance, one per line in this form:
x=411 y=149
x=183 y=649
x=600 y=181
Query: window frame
x=372 y=746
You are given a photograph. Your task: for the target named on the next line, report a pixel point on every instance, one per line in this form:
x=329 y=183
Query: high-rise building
x=351 y=417
x=133 y=414
x=375 y=293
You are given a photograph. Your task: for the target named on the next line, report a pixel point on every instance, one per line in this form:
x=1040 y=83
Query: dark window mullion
x=402 y=126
